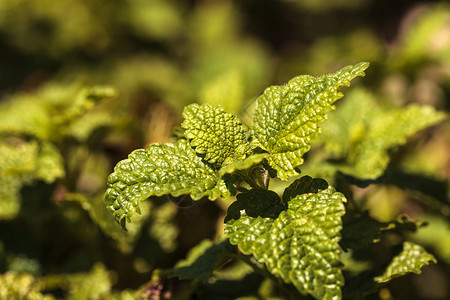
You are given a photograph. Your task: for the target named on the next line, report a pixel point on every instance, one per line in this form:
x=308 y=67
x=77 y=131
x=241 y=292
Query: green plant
x=293 y=240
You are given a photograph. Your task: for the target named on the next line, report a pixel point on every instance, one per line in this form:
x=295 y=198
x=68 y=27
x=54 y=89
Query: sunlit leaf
x=297 y=243
x=160 y=169
x=217 y=135
x=410 y=260
x=287 y=117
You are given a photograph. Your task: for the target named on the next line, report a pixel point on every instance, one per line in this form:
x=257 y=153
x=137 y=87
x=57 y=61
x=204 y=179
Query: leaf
x=361 y=133
x=389 y=129
x=21 y=286
x=49 y=164
x=99 y=214
x=360 y=230
x=214 y=133
x=410 y=260
x=202 y=260
x=163 y=227
x=226 y=90
x=297 y=243
x=160 y=169
x=47 y=113
x=287 y=117
x=245 y=164
x=17 y=164
x=93 y=285
x=303 y=185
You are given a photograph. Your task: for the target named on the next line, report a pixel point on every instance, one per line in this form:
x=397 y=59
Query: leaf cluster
x=296 y=239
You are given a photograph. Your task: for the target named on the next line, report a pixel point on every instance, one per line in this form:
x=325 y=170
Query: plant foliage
x=295 y=238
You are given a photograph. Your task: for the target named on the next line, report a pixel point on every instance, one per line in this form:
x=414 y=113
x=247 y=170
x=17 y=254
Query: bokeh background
x=150 y=59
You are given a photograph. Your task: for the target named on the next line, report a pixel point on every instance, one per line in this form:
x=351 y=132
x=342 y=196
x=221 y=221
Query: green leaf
x=93 y=285
x=245 y=164
x=47 y=113
x=360 y=230
x=287 y=117
x=303 y=185
x=17 y=164
x=297 y=243
x=361 y=133
x=387 y=130
x=49 y=164
x=21 y=286
x=160 y=169
x=95 y=206
x=410 y=260
x=218 y=135
x=202 y=260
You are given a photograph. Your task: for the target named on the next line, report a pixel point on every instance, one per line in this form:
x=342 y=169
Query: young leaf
x=216 y=134
x=159 y=170
x=298 y=243
x=410 y=260
x=287 y=117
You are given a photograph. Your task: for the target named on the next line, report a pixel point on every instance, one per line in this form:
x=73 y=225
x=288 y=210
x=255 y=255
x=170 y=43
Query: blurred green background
x=85 y=82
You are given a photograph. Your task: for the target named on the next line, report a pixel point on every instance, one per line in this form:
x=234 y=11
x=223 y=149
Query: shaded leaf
x=303 y=185
x=287 y=117
x=360 y=230
x=297 y=243
x=218 y=135
x=202 y=260
x=410 y=260
x=160 y=169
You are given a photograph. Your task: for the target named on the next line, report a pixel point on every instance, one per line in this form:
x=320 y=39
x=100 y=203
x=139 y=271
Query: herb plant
x=294 y=239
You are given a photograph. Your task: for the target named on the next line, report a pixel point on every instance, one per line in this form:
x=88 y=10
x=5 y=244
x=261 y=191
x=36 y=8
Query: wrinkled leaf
x=298 y=243
x=287 y=117
x=217 y=135
x=160 y=169
x=410 y=260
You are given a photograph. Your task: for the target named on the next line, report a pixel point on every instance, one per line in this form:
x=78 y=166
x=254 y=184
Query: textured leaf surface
x=363 y=132
x=203 y=260
x=159 y=170
x=297 y=242
x=287 y=117
x=410 y=260
x=214 y=133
